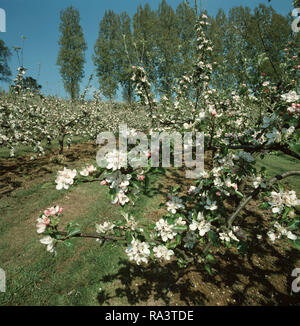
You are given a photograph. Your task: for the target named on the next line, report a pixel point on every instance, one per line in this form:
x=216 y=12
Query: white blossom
x=105 y=227
x=65 y=178
x=138 y=251
x=49 y=242
x=162 y=253
x=174 y=204
x=165 y=230
x=290 y=97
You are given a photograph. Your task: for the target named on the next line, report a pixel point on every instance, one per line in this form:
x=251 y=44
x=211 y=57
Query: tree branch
x=259 y=148
x=92 y=236
x=256 y=192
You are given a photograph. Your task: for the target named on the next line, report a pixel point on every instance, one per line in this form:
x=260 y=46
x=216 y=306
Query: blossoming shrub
x=238 y=128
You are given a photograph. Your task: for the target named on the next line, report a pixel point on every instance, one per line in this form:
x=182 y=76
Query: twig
x=92 y=236
x=256 y=192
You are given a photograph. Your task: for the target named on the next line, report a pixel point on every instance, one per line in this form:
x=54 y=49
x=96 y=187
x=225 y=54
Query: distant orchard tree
x=71 y=54
x=24 y=85
x=5 y=53
x=31 y=84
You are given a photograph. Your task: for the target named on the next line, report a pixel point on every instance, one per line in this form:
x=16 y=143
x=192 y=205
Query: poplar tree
x=126 y=57
x=5 y=53
x=144 y=36
x=106 y=51
x=71 y=56
x=186 y=17
x=167 y=46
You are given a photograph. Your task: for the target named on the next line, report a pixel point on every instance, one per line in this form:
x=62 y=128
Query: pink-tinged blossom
x=141 y=177
x=52 y=211
x=42 y=224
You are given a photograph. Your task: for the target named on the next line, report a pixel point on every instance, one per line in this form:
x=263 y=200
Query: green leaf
x=213 y=238
x=180 y=228
x=135 y=184
x=296 y=243
x=128 y=237
x=172 y=245
x=210 y=258
x=178 y=239
x=239 y=194
x=152 y=226
x=261 y=59
x=280 y=187
x=295 y=147
x=73 y=231
x=54 y=221
x=152 y=254
x=264 y=205
x=68 y=244
x=171 y=220
x=242 y=247
x=294 y=225
x=59 y=237
x=208 y=269
x=181 y=262
x=147 y=181
x=175 y=188
x=112 y=191
x=286 y=211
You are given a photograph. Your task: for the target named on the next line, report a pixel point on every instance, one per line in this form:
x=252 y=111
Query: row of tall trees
x=158 y=40
x=243 y=38
x=163 y=42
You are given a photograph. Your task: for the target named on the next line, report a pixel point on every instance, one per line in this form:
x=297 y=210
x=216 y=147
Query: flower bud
x=141 y=177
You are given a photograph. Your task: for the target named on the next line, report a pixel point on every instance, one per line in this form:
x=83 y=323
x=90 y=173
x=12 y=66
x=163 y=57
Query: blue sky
x=38 y=21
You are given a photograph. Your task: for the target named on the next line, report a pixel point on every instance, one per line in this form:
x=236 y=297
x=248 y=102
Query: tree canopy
x=163 y=42
x=5 y=54
x=71 y=54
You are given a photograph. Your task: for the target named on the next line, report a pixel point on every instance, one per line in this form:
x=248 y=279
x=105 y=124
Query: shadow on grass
x=170 y=285
x=260 y=277
x=140 y=286
x=14 y=172
x=267 y=283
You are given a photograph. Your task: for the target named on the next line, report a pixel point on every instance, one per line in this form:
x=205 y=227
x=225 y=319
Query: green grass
x=79 y=276
x=278 y=164
x=22 y=150
x=73 y=277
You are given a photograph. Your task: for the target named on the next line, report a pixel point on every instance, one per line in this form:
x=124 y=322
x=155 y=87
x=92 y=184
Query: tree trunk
x=129 y=95
x=72 y=90
x=61 y=144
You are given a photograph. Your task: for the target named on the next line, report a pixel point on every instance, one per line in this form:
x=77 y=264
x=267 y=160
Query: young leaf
x=210 y=258
x=180 y=228
x=208 y=269
x=73 y=231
